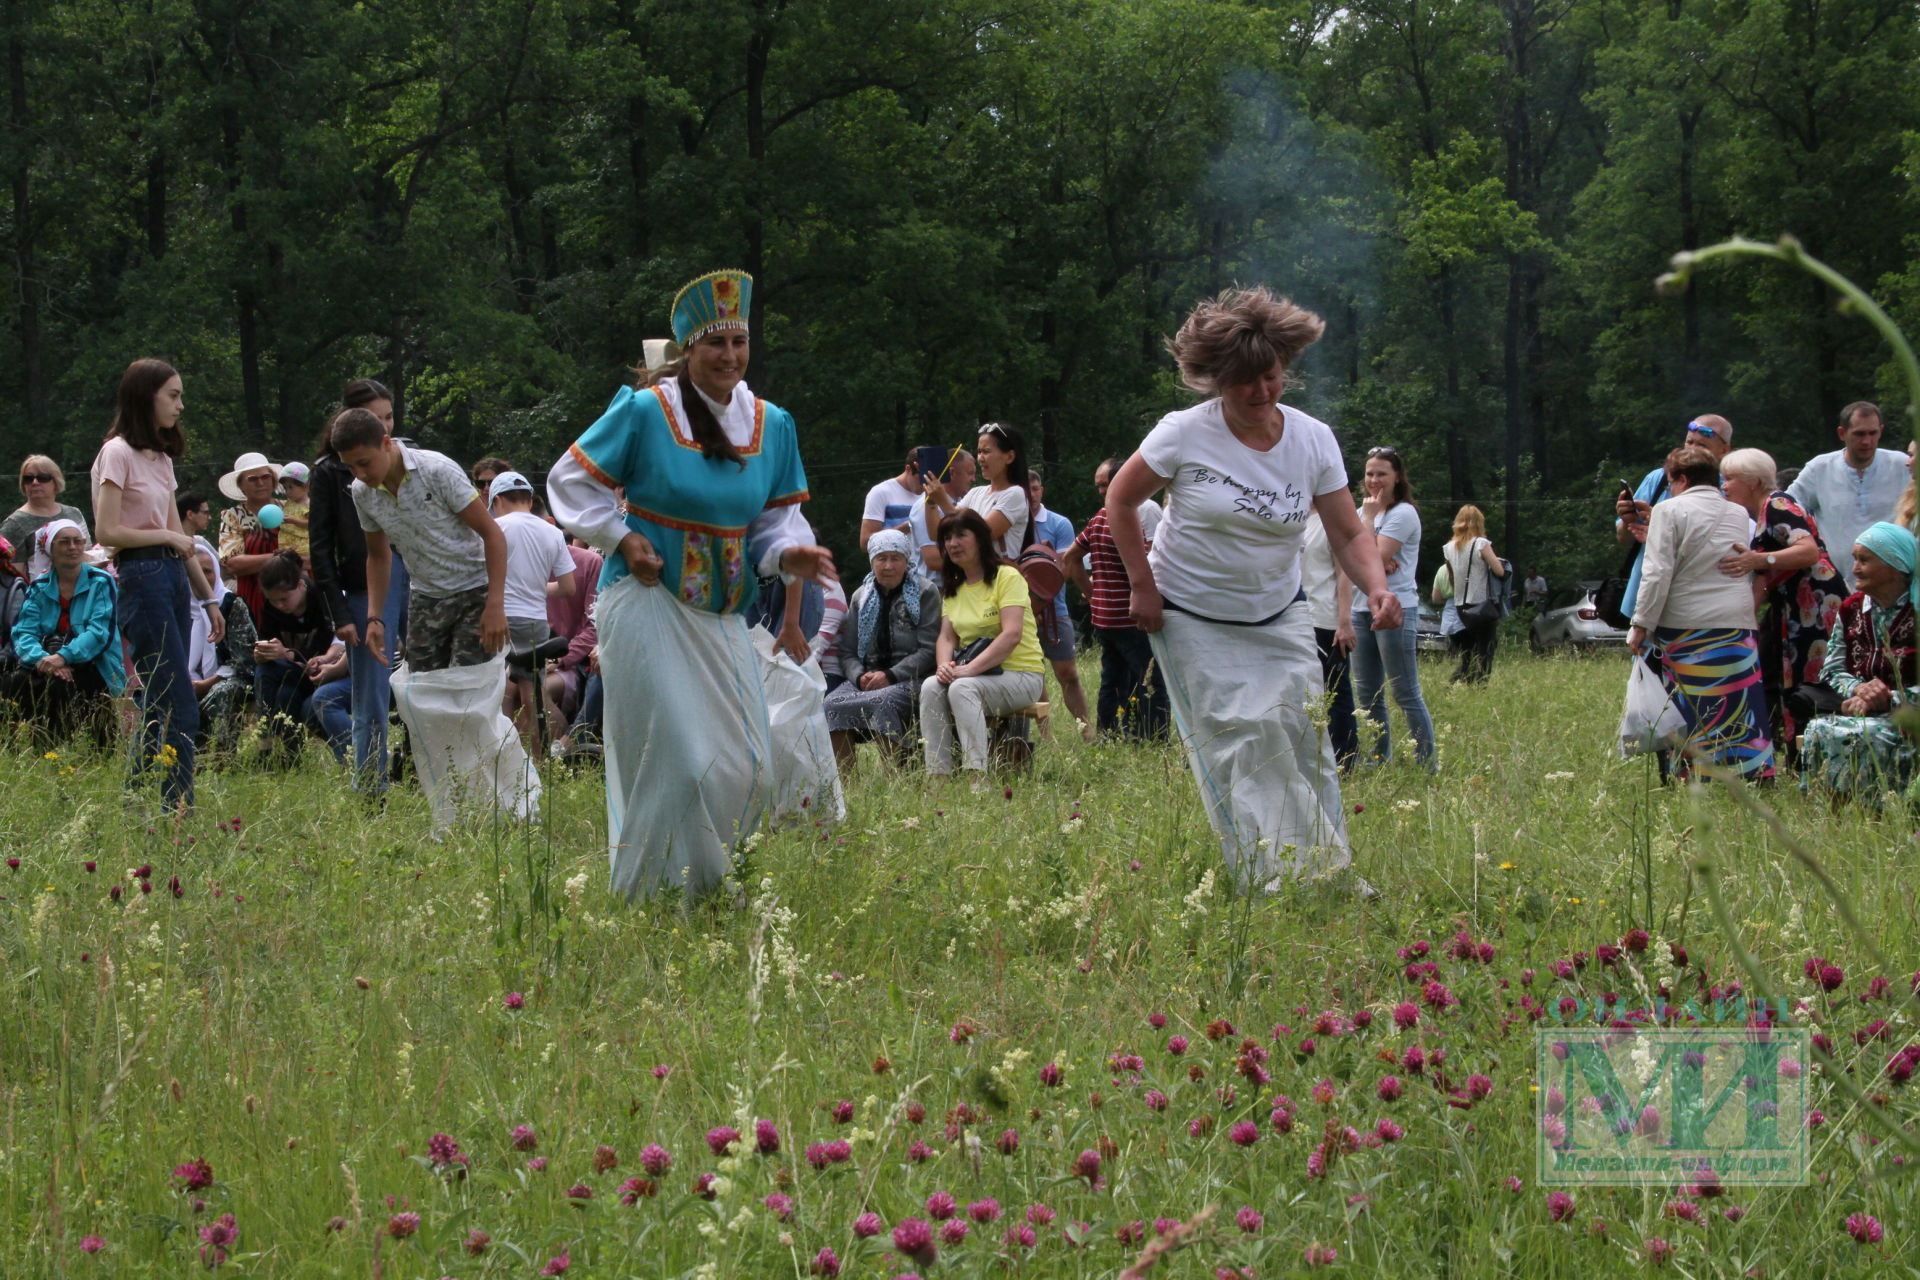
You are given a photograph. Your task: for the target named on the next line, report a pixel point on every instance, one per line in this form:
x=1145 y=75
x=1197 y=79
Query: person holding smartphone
x=1633 y=508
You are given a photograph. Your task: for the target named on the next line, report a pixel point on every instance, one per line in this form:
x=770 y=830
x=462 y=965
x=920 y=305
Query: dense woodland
x=964 y=210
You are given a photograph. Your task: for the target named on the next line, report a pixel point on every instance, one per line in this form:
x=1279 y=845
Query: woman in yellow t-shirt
x=984 y=605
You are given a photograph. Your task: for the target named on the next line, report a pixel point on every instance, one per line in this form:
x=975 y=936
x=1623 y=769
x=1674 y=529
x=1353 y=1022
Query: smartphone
x=932 y=461
x=1625 y=488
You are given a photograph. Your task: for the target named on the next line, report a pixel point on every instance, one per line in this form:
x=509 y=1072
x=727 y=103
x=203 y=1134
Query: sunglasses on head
x=994 y=429
x=1695 y=429
x=1383 y=451
x=37 y=477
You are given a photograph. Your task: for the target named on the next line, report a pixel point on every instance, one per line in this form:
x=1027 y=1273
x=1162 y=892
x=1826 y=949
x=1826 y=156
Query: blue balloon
x=270 y=516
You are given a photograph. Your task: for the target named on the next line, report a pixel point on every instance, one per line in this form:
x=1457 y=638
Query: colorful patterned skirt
x=1715 y=677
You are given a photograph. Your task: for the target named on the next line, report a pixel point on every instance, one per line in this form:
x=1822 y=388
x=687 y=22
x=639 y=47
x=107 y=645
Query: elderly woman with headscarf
x=67 y=638
x=1870 y=663
x=690 y=485
x=886 y=648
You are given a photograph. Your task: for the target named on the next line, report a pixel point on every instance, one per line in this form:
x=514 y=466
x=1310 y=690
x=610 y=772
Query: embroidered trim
x=686 y=526
x=790 y=499
x=748 y=450
x=587 y=465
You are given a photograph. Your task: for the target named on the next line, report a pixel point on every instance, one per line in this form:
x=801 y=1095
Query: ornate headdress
x=717 y=300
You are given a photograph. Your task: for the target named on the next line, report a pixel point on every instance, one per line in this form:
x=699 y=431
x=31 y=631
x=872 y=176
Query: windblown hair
x=1232 y=339
x=952 y=576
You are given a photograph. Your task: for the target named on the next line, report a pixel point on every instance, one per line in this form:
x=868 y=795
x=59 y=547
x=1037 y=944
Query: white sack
x=806 y=780
x=465 y=749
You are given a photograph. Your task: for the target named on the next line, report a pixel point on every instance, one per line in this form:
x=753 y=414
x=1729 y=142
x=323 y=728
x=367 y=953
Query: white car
x=1570 y=621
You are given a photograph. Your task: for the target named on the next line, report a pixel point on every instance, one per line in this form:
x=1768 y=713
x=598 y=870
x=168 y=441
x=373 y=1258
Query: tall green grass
x=326 y=994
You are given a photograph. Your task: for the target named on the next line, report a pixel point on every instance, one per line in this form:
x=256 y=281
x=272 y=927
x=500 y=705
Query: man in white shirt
x=891 y=501
x=1852 y=487
x=1536 y=588
x=960 y=474
x=539 y=566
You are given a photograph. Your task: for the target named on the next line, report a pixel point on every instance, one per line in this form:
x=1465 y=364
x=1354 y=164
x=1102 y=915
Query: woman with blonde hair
x=1221 y=597
x=42 y=482
x=1474 y=569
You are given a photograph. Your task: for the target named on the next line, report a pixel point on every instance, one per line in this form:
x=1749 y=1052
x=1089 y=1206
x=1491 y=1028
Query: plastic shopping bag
x=467 y=752
x=1650 y=721
x=806 y=781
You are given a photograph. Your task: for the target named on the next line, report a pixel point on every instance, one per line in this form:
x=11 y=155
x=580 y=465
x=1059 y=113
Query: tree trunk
x=1693 y=374
x=25 y=269
x=245 y=299
x=1459 y=471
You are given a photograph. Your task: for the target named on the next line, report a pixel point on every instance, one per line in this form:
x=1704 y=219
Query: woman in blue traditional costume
x=692 y=487
x=1870 y=663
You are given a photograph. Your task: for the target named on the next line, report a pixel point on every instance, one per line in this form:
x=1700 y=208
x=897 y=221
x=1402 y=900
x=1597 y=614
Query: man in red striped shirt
x=1131 y=699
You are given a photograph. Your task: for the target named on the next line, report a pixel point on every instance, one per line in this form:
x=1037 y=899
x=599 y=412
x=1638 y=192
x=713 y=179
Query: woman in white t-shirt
x=1384 y=657
x=1475 y=570
x=1220 y=594
x=1002 y=500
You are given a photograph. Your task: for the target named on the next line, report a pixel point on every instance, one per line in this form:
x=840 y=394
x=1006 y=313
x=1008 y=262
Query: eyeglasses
x=1695 y=429
x=37 y=477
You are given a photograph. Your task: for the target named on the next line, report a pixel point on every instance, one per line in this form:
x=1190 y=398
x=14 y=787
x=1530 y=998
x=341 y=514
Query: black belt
x=1231 y=622
x=158 y=551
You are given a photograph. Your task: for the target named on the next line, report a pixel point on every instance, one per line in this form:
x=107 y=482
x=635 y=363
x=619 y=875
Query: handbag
x=1486 y=611
x=968 y=652
x=1039 y=564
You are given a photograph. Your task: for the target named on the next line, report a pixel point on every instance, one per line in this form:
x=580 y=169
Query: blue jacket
x=94 y=617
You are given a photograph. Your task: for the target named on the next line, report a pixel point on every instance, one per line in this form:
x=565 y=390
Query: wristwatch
x=1770 y=559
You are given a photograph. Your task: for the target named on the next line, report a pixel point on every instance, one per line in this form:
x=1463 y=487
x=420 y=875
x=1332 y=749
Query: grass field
x=951 y=1005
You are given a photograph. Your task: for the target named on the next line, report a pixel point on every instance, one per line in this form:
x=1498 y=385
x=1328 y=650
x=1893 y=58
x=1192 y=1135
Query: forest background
x=956 y=212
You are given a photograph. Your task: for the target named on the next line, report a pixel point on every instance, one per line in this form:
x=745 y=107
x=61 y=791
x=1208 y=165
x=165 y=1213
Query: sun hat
x=294 y=473
x=246 y=462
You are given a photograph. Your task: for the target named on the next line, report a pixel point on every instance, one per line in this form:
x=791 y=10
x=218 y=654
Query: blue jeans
x=329 y=712
x=154 y=600
x=1386 y=658
x=372 y=698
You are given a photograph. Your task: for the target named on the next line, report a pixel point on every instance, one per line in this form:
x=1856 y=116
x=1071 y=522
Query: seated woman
x=67 y=640
x=1870 y=663
x=13 y=597
x=225 y=687
x=987 y=659
x=301 y=672
x=885 y=646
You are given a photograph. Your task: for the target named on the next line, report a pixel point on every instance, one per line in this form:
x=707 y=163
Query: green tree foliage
x=957 y=212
